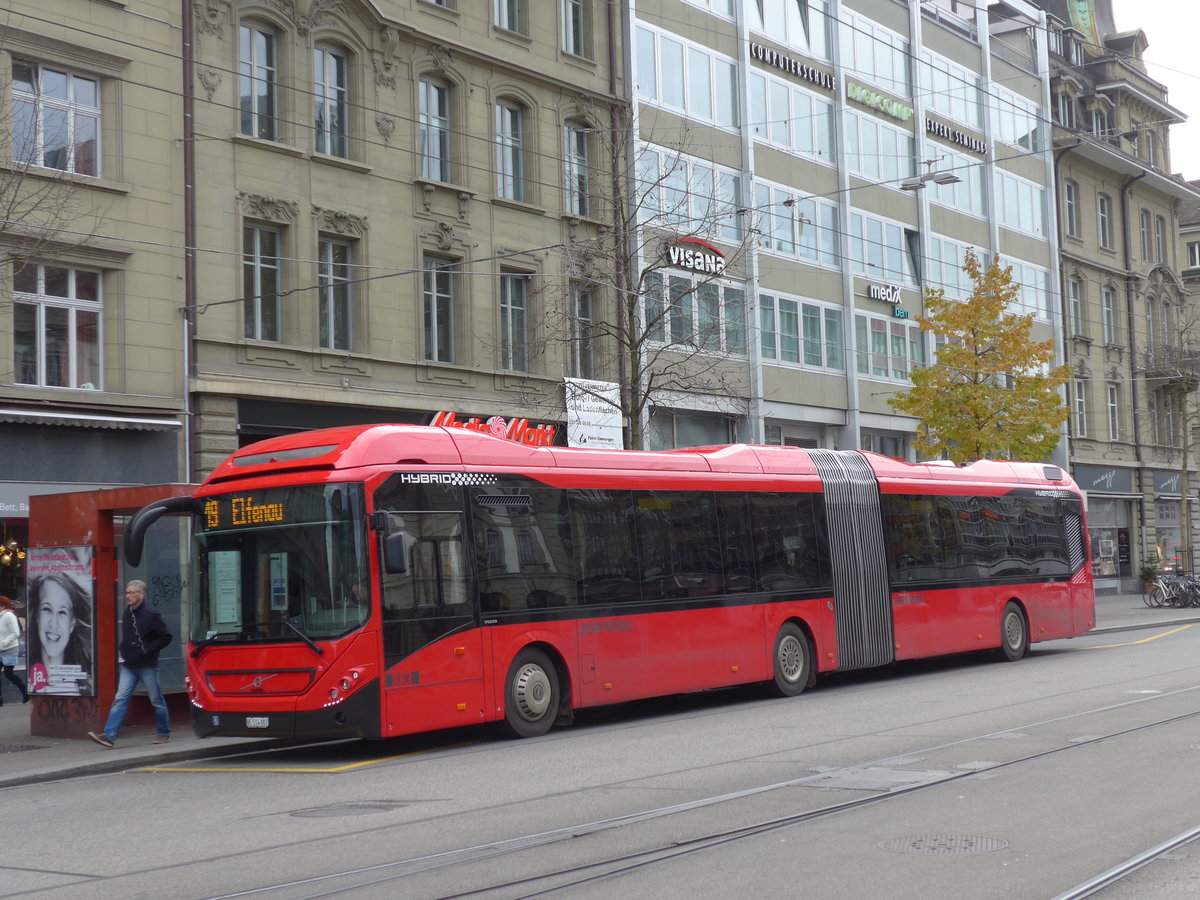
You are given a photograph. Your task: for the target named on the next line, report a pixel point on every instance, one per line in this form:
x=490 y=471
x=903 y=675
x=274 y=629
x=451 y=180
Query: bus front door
x=433 y=654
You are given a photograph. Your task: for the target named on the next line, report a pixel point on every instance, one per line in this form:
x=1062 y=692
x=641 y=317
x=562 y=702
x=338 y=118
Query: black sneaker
x=101 y=739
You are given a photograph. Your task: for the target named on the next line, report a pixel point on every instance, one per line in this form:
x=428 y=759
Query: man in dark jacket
x=143 y=635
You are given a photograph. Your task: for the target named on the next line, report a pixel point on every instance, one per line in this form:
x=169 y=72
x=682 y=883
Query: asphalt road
x=954 y=778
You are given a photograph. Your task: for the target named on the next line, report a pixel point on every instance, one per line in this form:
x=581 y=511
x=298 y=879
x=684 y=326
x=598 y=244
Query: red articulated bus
x=382 y=580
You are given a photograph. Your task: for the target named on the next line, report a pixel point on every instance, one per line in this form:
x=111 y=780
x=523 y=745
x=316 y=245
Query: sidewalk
x=26 y=759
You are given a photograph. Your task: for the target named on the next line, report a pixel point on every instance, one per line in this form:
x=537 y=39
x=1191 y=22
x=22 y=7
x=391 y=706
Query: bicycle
x=1176 y=591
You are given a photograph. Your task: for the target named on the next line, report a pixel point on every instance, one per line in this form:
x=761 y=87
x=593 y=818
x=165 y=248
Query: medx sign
x=888 y=293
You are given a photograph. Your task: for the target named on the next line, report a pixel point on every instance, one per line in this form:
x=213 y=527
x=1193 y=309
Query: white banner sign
x=594 y=414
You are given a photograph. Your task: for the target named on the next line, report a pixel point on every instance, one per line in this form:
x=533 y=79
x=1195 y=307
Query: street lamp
x=919 y=181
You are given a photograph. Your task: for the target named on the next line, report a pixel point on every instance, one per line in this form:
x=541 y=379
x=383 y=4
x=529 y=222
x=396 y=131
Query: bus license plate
x=257 y=722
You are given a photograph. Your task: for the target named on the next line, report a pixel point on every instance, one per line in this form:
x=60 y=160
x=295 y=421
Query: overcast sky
x=1173 y=58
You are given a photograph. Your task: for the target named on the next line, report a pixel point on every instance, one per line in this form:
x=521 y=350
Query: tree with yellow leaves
x=991 y=391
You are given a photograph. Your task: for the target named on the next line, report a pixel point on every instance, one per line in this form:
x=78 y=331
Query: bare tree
x=649 y=298
x=46 y=156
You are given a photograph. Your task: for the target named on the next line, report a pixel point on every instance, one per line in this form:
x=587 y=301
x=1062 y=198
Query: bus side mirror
x=395 y=557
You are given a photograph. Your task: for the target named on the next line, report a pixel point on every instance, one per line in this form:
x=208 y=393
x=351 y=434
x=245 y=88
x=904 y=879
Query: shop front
x=1111 y=505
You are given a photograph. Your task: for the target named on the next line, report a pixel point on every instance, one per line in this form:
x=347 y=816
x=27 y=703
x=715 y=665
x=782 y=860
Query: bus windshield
x=281 y=564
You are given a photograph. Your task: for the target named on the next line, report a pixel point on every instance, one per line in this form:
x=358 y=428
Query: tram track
x=547 y=883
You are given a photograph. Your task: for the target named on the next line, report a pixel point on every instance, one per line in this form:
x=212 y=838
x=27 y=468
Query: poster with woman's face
x=59 y=610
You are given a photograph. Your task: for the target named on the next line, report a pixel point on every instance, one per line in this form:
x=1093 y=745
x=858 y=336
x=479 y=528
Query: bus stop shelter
x=75 y=595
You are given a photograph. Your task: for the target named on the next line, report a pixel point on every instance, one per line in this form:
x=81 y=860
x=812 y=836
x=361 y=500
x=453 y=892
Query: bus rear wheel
x=1014 y=633
x=531 y=694
x=792 y=660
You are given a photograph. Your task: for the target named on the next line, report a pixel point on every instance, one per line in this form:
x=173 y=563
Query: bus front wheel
x=793 y=660
x=1014 y=633
x=531 y=695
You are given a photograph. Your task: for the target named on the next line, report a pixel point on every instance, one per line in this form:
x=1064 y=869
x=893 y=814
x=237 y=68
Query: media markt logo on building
x=696 y=255
x=518 y=430
x=870 y=98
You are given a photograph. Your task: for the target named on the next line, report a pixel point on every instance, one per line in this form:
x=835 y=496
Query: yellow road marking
x=1142 y=641
x=258 y=770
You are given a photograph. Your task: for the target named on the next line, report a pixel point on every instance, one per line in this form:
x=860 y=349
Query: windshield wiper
x=304 y=636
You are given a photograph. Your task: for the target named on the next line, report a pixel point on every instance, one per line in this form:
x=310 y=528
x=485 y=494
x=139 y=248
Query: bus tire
x=531 y=694
x=1014 y=633
x=793 y=660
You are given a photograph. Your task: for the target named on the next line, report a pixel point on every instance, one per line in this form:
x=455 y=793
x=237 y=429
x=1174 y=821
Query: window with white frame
x=1071 y=207
x=879 y=248
x=686 y=77
x=577 y=27
x=688 y=194
x=510 y=150
x=576 y=156
x=56 y=320
x=1016 y=120
x=951 y=89
x=1193 y=254
x=802 y=27
x=875 y=55
x=1144 y=227
x=1104 y=220
x=1114 y=413
x=335 y=261
x=1079 y=407
x=1075 y=304
x=799 y=331
x=803 y=228
x=329 y=100
x=1021 y=204
x=1108 y=312
x=1151 y=320
x=583 y=333
x=888 y=348
x=509 y=15
x=261 y=283
x=720 y=7
x=440 y=286
x=1160 y=239
x=683 y=311
x=1064 y=109
x=1033 y=283
x=434 y=134
x=965 y=195
x=876 y=151
x=791 y=118
x=55 y=118
x=945 y=266
x=257 y=80
x=514 y=312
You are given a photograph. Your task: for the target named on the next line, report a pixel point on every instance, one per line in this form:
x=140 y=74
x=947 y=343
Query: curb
x=1165 y=623
x=108 y=764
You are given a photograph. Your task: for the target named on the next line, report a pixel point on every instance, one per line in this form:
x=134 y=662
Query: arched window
x=510 y=150
x=257 y=80
x=577 y=155
x=330 y=96
x=435 y=147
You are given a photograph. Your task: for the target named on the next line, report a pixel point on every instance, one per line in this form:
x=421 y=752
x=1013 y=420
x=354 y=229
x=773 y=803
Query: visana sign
x=696 y=255
x=518 y=430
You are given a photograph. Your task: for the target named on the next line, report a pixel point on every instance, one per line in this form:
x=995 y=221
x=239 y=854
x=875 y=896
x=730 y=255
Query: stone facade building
x=1126 y=306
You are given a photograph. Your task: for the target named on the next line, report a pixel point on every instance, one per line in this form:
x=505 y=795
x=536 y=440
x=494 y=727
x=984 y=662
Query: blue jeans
x=125 y=687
